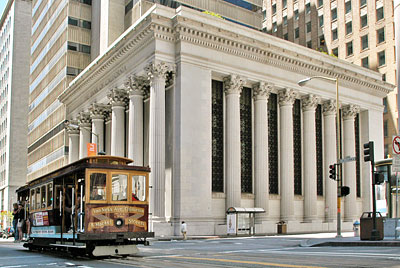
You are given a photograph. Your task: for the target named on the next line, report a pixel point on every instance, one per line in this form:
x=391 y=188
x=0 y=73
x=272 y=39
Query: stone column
x=309 y=104
x=108 y=124
x=73 y=134
x=286 y=170
x=233 y=85
x=97 y=116
x=157 y=73
x=84 y=133
x=135 y=86
x=261 y=93
x=349 y=149
x=117 y=99
x=329 y=110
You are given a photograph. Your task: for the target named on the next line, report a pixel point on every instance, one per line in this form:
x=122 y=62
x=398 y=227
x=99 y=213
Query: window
x=321 y=41
x=364 y=21
x=385 y=128
x=379 y=13
x=98 y=186
x=363 y=3
x=286 y=36
x=364 y=62
x=49 y=194
x=296 y=14
x=284 y=3
x=309 y=44
x=385 y=108
x=38 y=206
x=217 y=135
x=320 y=3
x=297 y=147
x=334 y=34
x=308 y=26
x=349 y=27
x=43 y=196
x=348 y=6
x=72 y=21
x=296 y=33
x=246 y=151
x=349 y=48
x=138 y=188
x=380 y=34
x=264 y=12
x=274 y=27
x=285 y=20
x=335 y=52
x=274 y=8
x=334 y=14
x=364 y=42
x=308 y=8
x=321 y=20
x=119 y=187
x=384 y=77
x=381 y=58
x=386 y=151
x=273 y=143
x=33 y=199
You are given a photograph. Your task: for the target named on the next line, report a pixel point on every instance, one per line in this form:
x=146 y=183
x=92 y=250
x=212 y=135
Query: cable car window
x=37 y=198
x=119 y=187
x=43 y=197
x=33 y=202
x=98 y=186
x=138 y=188
x=49 y=194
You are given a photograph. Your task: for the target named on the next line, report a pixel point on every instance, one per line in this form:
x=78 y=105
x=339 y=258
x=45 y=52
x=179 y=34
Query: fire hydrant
x=356 y=228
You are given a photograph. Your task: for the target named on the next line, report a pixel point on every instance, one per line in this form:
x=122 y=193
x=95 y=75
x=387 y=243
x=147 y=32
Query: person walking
x=15 y=221
x=184 y=230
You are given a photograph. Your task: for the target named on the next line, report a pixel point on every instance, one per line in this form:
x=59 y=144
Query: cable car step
x=68 y=245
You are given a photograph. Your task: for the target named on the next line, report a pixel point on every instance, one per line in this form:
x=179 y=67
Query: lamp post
x=67 y=123
x=339 y=182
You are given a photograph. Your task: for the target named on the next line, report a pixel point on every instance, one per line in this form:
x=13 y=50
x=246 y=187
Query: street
x=269 y=251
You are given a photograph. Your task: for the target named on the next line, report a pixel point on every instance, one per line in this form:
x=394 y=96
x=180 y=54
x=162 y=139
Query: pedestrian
x=184 y=230
x=15 y=221
x=21 y=219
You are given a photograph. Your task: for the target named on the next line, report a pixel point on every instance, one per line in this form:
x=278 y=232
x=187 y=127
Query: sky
x=3 y=4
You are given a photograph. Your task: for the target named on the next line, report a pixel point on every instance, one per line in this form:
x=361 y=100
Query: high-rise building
x=358 y=31
x=14 y=76
x=67 y=35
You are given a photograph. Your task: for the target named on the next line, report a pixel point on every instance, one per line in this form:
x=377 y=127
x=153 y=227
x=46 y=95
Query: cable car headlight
x=119 y=222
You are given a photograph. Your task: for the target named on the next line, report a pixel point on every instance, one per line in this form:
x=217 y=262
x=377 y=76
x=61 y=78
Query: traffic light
x=332 y=172
x=344 y=190
x=369 y=151
x=378 y=178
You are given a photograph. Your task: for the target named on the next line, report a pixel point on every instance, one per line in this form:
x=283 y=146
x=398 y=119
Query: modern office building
x=358 y=31
x=215 y=110
x=69 y=34
x=14 y=76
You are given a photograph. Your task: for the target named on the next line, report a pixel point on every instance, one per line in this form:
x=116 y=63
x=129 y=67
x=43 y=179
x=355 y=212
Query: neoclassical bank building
x=215 y=109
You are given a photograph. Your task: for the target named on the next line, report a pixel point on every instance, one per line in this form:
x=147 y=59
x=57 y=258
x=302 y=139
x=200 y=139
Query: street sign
x=396 y=145
x=347 y=159
x=396 y=163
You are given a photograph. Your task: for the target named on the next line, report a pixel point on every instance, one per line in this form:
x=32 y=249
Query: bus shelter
x=242 y=220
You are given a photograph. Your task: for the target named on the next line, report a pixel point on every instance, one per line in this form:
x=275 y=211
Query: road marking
x=15 y=266
x=245 y=262
x=20 y=257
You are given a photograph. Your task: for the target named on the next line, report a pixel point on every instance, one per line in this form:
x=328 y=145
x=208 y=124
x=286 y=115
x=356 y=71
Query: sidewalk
x=350 y=242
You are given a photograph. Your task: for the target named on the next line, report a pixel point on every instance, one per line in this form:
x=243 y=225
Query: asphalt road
x=237 y=252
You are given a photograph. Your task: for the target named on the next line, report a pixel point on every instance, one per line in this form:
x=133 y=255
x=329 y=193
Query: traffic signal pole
x=339 y=170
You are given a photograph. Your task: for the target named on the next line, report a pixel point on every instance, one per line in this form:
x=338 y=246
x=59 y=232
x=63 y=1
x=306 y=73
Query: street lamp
x=339 y=184
x=69 y=124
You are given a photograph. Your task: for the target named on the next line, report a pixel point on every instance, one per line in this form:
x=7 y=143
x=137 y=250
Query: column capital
x=350 y=111
x=84 y=119
x=329 y=107
x=262 y=90
x=158 y=70
x=97 y=110
x=117 y=97
x=310 y=102
x=72 y=130
x=233 y=84
x=287 y=96
x=136 y=85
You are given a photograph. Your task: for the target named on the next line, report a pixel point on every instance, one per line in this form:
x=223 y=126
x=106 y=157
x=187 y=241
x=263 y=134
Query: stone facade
x=182 y=54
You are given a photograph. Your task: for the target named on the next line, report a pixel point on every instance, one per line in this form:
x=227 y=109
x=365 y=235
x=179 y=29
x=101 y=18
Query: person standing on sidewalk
x=184 y=230
x=15 y=221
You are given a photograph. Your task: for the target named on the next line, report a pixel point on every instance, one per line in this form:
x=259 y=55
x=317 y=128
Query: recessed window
x=284 y=3
x=379 y=13
x=296 y=33
x=364 y=20
x=385 y=108
x=264 y=12
x=296 y=14
x=274 y=8
x=334 y=14
x=348 y=6
x=381 y=58
x=385 y=128
x=335 y=52
x=380 y=34
x=384 y=77
x=321 y=41
x=349 y=27
x=320 y=3
x=364 y=62
x=286 y=36
x=308 y=26
x=308 y=8
x=349 y=48
x=285 y=20
x=309 y=44
x=274 y=27
x=321 y=20
x=334 y=34
x=363 y=2
x=364 y=42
